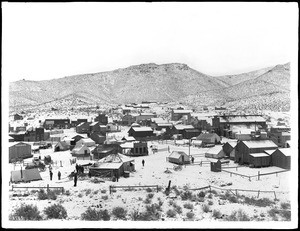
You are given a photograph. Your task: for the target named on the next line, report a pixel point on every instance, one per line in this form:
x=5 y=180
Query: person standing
x=59 y=175
x=143 y=162
x=75 y=179
x=51 y=174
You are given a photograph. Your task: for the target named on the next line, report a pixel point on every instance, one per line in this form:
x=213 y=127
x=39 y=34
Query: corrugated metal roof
x=260 y=144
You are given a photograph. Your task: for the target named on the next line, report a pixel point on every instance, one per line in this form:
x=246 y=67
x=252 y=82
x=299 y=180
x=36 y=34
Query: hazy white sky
x=52 y=40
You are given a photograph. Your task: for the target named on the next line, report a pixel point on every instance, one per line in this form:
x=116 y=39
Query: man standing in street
x=51 y=174
x=143 y=162
x=75 y=179
x=59 y=175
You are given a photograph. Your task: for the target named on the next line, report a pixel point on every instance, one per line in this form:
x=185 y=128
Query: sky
x=43 y=41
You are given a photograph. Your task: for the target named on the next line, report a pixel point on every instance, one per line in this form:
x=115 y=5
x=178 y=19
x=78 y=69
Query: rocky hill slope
x=168 y=82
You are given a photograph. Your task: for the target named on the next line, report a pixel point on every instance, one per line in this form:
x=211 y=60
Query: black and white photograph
x=149 y=115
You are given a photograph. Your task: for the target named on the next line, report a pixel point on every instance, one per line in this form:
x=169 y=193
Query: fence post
x=209 y=189
x=110 y=189
x=236 y=192
x=157 y=188
x=47 y=188
x=275 y=195
x=230 y=174
x=258 y=194
x=258 y=175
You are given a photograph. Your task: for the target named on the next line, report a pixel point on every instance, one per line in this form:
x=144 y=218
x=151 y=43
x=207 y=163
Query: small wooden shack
x=215 y=152
x=178 y=157
x=258 y=160
x=19 y=150
x=281 y=157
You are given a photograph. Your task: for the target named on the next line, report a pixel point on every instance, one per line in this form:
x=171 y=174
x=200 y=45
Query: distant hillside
x=168 y=82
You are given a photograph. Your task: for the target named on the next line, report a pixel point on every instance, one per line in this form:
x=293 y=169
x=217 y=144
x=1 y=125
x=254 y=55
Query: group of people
x=79 y=168
x=51 y=174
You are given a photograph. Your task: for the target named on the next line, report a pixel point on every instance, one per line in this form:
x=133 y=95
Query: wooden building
x=140 y=132
x=19 y=151
x=243 y=149
x=222 y=125
x=18 y=117
x=135 y=148
x=229 y=149
x=98 y=138
x=61 y=146
x=102 y=119
x=216 y=152
x=209 y=138
x=104 y=150
x=281 y=157
x=178 y=157
x=127 y=120
x=83 y=127
x=179 y=113
x=258 y=160
x=190 y=133
x=49 y=124
x=34 y=134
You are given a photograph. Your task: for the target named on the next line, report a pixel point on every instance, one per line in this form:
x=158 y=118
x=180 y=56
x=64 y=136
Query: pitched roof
x=27 y=175
x=115 y=158
x=182 y=127
x=206 y=136
x=215 y=150
x=94 y=123
x=182 y=111
x=177 y=154
x=261 y=154
x=285 y=151
x=260 y=144
x=128 y=138
x=241 y=118
x=142 y=129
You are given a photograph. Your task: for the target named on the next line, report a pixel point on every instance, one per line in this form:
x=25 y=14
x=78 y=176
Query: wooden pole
x=258 y=175
x=275 y=195
x=236 y=192
x=47 y=188
x=258 y=194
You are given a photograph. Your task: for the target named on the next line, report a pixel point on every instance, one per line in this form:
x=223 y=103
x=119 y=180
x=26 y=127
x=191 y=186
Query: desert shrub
x=286 y=214
x=140 y=198
x=91 y=215
x=177 y=192
x=119 y=212
x=104 y=197
x=201 y=194
x=56 y=211
x=171 y=213
x=186 y=187
x=239 y=215
x=285 y=205
x=210 y=202
x=88 y=191
x=147 y=200
x=233 y=199
x=67 y=193
x=135 y=215
x=214 y=192
x=201 y=199
x=80 y=195
x=205 y=208
x=42 y=195
x=150 y=195
x=190 y=215
x=150 y=214
x=216 y=214
x=273 y=212
x=186 y=195
x=52 y=195
x=26 y=212
x=95 y=180
x=159 y=188
x=188 y=206
x=104 y=214
x=96 y=192
x=33 y=191
x=103 y=190
x=171 y=202
x=262 y=202
x=177 y=208
x=209 y=196
x=149 y=190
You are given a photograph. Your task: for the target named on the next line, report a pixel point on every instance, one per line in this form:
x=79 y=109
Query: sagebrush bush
x=177 y=208
x=216 y=214
x=190 y=215
x=119 y=212
x=201 y=194
x=273 y=212
x=205 y=208
x=52 y=195
x=171 y=213
x=285 y=205
x=67 y=193
x=147 y=200
x=210 y=202
x=239 y=215
x=26 y=213
x=104 y=197
x=262 y=202
x=91 y=215
x=103 y=191
x=188 y=206
x=233 y=199
x=150 y=195
x=214 y=192
x=42 y=195
x=186 y=195
x=96 y=192
x=286 y=214
x=80 y=195
x=88 y=191
x=56 y=211
x=149 y=190
x=104 y=215
x=209 y=196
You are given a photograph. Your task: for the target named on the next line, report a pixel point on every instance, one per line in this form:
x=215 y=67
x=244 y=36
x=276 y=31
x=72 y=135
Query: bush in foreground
x=95 y=215
x=119 y=213
x=56 y=211
x=239 y=215
x=190 y=215
x=171 y=213
x=26 y=213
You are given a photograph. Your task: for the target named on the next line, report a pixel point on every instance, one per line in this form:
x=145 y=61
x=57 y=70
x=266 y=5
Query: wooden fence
x=112 y=187
x=235 y=191
x=38 y=187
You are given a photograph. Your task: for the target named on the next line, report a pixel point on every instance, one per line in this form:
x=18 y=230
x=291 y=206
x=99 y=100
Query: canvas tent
x=25 y=175
x=178 y=157
x=215 y=152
